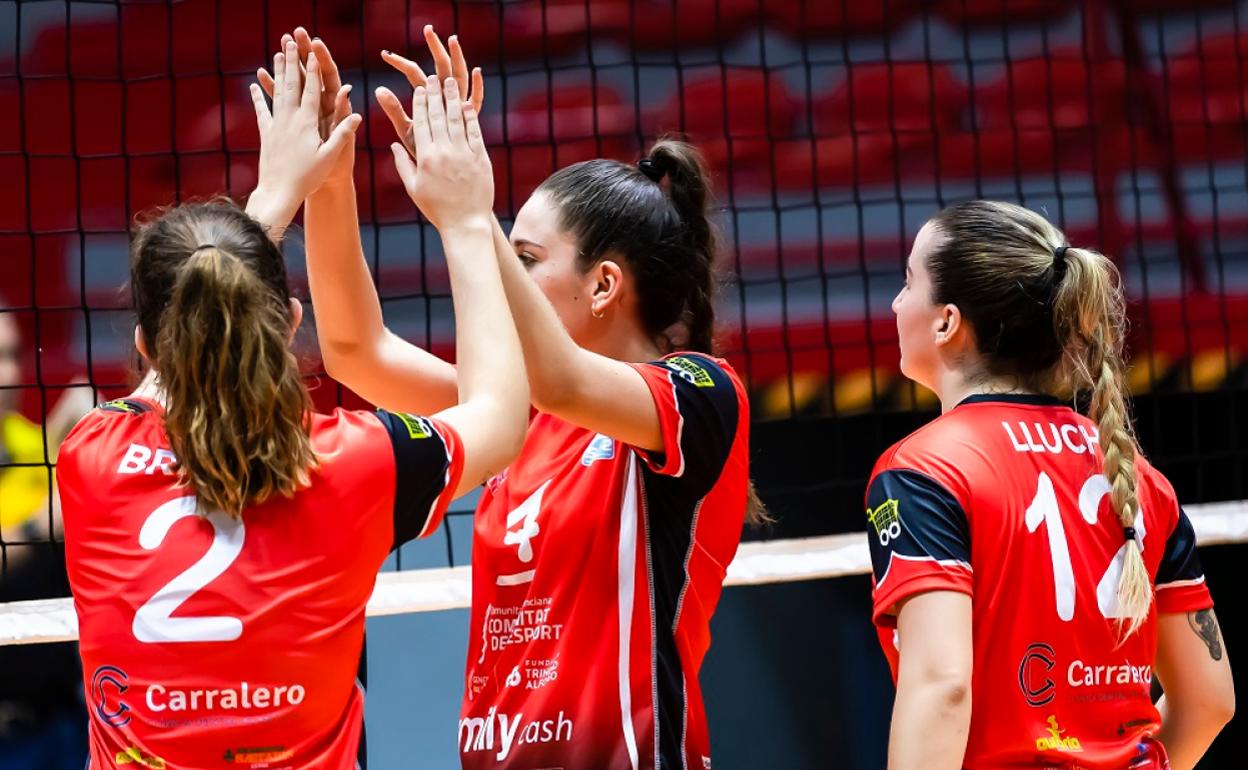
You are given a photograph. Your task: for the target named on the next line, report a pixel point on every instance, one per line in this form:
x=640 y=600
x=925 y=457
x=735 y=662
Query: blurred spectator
x=42 y=722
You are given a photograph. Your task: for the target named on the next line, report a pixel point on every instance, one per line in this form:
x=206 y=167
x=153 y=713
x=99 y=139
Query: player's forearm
x=357 y=349
x=931 y=722
x=549 y=351
x=490 y=364
x=1188 y=729
x=348 y=312
x=349 y=325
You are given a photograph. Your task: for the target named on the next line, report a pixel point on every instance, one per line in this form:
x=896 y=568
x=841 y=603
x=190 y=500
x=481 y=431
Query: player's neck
x=149 y=388
x=625 y=342
x=954 y=387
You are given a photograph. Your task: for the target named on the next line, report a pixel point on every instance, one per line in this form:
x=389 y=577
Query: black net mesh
x=835 y=128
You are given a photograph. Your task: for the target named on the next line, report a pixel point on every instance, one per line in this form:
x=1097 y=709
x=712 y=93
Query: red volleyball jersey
x=1003 y=498
x=596 y=568
x=210 y=642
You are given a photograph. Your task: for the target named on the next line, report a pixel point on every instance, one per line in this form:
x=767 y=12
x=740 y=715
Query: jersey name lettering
x=1051 y=438
x=141 y=459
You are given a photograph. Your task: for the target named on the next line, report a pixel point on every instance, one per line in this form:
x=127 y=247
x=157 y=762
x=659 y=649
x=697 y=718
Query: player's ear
x=948 y=324
x=140 y=344
x=296 y=318
x=608 y=278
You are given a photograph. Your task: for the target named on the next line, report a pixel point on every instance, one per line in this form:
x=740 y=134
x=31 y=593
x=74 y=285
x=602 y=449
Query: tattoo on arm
x=1205 y=624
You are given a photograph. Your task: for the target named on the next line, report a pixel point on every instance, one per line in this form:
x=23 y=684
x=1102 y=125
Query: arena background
x=835 y=129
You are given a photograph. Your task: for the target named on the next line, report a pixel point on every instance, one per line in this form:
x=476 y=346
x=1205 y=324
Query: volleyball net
x=834 y=128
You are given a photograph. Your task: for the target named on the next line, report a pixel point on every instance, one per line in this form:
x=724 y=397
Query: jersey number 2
x=154 y=622
x=1044 y=510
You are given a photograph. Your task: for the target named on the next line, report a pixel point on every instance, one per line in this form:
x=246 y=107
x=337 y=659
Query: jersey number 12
x=1044 y=510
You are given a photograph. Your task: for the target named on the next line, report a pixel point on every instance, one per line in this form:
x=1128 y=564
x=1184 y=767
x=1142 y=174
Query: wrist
x=273 y=208
x=334 y=188
x=471 y=224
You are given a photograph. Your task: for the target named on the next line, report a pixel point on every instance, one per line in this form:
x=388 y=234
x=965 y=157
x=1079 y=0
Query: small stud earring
x=595 y=314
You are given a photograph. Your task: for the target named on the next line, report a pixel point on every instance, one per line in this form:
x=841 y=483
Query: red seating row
x=1038 y=117
x=1064 y=91
x=203 y=34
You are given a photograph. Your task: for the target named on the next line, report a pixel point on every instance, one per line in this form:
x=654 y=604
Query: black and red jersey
x=1003 y=498
x=596 y=568
x=214 y=642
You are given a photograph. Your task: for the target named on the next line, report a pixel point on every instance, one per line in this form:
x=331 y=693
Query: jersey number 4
x=1044 y=510
x=154 y=622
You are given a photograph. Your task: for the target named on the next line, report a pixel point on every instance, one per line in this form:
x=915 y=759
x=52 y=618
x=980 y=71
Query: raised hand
x=335 y=101
x=454 y=182
x=295 y=158
x=447 y=64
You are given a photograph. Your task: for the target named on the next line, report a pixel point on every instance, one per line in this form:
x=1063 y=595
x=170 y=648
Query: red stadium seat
x=973 y=12
x=740 y=102
x=1065 y=90
x=572 y=111
x=528 y=29
x=845 y=161
x=1172 y=6
x=1209 y=84
x=662 y=25
x=905 y=96
x=816 y=19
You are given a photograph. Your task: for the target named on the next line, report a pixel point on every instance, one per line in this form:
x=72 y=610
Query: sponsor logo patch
x=600 y=448
x=500 y=733
x=258 y=756
x=692 y=372
x=1037 y=686
x=886 y=518
x=1056 y=739
x=108 y=684
x=417 y=427
x=134 y=756
x=123 y=405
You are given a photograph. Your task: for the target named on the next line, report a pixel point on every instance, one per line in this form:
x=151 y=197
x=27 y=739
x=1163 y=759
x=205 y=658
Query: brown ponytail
x=212 y=300
x=1090 y=318
x=1054 y=318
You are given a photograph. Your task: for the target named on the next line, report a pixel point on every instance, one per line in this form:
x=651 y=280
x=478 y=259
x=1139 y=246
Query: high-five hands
x=335 y=103
x=453 y=182
x=301 y=141
x=447 y=64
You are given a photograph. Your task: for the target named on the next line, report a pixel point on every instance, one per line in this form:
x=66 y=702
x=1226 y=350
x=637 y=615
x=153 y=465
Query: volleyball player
x=598 y=556
x=1032 y=570
x=222 y=539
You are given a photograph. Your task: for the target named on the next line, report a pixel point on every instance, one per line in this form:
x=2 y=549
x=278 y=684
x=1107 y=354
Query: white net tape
x=426 y=590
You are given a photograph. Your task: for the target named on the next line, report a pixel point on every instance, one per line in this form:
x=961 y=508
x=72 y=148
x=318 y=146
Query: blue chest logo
x=601 y=448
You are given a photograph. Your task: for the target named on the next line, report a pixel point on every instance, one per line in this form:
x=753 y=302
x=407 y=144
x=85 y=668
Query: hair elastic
x=1128 y=533
x=654 y=171
x=1059 y=263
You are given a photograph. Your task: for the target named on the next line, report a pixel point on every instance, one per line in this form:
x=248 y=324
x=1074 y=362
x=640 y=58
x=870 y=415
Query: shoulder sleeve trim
x=124 y=406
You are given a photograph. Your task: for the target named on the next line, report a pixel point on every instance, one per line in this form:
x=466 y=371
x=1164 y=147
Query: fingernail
x=384 y=52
